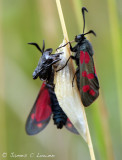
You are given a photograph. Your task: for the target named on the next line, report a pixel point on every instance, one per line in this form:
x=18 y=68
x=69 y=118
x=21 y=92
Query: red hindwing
x=40 y=113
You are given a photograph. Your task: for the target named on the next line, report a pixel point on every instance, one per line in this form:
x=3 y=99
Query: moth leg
x=55 y=61
x=66 y=63
x=73 y=49
x=74 y=76
x=62 y=46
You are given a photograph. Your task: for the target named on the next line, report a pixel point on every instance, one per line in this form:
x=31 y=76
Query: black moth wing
x=40 y=114
x=89 y=85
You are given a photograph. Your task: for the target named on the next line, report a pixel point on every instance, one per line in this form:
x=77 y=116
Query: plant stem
x=62 y=20
x=90 y=146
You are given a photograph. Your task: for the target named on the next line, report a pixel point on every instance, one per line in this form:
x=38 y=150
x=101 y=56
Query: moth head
x=49 y=51
x=44 y=60
x=79 y=38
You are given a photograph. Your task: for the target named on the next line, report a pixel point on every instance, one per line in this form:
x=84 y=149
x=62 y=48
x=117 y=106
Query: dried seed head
x=67 y=95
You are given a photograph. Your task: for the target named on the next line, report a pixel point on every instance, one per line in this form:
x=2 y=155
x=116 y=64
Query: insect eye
x=79 y=36
x=49 y=50
x=50 y=60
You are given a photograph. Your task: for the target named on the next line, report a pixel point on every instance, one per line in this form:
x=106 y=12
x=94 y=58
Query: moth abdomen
x=59 y=116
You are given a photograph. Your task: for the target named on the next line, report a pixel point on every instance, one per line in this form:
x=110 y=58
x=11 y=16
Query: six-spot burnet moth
x=46 y=103
x=87 y=81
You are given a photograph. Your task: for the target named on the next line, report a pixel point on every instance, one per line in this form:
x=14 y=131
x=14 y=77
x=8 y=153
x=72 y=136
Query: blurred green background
x=32 y=21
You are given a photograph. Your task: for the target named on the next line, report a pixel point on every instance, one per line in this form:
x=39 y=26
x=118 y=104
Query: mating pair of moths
x=46 y=103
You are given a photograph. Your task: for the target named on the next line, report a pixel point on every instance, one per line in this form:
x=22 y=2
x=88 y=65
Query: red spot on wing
x=39 y=125
x=81 y=56
x=69 y=125
x=87 y=58
x=84 y=74
x=68 y=120
x=86 y=88
x=95 y=71
x=90 y=76
x=84 y=57
x=33 y=116
x=43 y=109
x=92 y=92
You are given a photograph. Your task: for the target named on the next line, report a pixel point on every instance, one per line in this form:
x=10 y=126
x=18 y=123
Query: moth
x=46 y=103
x=86 y=77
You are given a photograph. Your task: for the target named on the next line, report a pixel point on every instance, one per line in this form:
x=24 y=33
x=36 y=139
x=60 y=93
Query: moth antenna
x=37 y=46
x=91 y=31
x=83 y=13
x=43 y=48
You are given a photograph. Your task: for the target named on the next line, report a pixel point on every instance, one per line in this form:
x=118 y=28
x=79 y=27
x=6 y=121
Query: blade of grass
x=117 y=50
x=77 y=10
x=66 y=37
x=103 y=116
x=2 y=93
